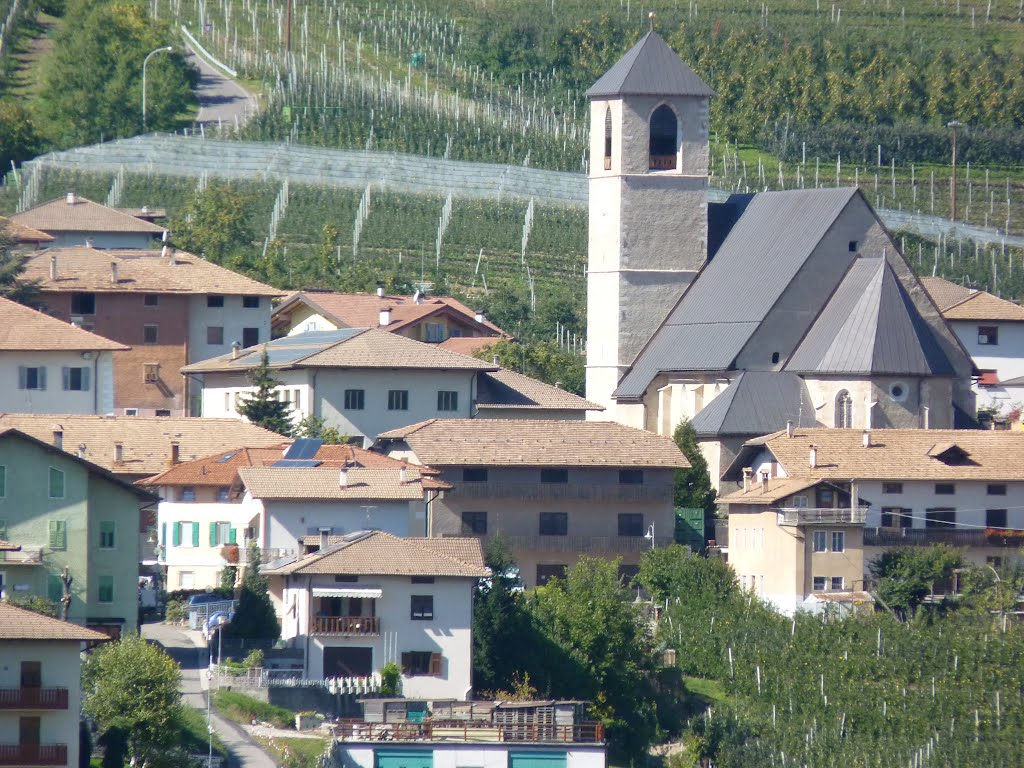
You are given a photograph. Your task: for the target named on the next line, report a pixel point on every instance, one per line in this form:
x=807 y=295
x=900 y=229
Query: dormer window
x=664 y=139
x=950 y=453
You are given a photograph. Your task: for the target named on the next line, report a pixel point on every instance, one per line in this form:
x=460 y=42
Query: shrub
x=390 y=679
x=255 y=658
x=176 y=611
x=245 y=709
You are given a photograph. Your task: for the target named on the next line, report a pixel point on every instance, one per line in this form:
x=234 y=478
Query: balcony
x=350 y=626
x=25 y=556
x=612 y=493
x=584 y=544
x=471 y=731
x=33 y=698
x=33 y=754
x=922 y=537
x=822 y=516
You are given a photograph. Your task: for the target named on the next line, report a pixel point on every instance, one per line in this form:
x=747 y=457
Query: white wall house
x=375 y=598
x=40 y=687
x=195 y=540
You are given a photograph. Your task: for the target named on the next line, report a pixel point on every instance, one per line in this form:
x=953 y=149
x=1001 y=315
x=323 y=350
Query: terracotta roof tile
x=22 y=233
x=25 y=329
x=770 y=492
x=536 y=443
x=376 y=553
x=323 y=483
x=89 y=269
x=82 y=216
x=508 y=389
x=20 y=624
x=146 y=441
x=6 y=546
x=959 y=303
x=468 y=345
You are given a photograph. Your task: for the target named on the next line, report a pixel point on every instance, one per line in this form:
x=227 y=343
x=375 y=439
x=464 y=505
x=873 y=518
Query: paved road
x=193 y=660
x=221 y=99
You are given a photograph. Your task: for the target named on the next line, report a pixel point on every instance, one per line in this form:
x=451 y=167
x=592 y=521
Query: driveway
x=193 y=660
x=221 y=99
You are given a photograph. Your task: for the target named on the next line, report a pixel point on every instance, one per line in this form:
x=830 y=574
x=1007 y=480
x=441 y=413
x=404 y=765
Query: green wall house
x=66 y=512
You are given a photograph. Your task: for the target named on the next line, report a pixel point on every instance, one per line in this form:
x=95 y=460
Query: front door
x=28 y=731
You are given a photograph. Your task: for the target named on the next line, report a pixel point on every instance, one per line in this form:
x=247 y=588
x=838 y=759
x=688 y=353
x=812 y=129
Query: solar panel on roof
x=316 y=338
x=227 y=457
x=296 y=463
x=303 y=448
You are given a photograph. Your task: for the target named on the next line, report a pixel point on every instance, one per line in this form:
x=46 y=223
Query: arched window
x=844 y=410
x=664 y=139
x=608 y=139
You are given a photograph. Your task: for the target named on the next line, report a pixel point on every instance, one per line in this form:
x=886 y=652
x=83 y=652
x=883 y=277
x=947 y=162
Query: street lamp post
x=650 y=535
x=954 y=124
x=145 y=61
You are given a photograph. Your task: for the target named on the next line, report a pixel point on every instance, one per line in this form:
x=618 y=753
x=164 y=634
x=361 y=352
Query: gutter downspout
x=96 y=382
x=314 y=405
x=309 y=618
x=426 y=512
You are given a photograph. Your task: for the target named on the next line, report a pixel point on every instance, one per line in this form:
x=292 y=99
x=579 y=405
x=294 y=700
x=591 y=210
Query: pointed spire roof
x=650 y=68
x=870 y=325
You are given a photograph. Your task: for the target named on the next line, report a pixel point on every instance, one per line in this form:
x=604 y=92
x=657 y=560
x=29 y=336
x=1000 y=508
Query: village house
x=72 y=220
x=25 y=238
x=555 y=490
x=49 y=366
x=375 y=598
x=171 y=307
x=810 y=509
x=40 y=687
x=805 y=287
x=70 y=517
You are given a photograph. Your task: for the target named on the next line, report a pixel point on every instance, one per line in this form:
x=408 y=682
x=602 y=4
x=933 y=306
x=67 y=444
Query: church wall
x=823 y=393
x=692 y=115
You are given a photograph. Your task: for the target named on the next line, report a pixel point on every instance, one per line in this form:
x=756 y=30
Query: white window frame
x=839 y=536
x=814 y=542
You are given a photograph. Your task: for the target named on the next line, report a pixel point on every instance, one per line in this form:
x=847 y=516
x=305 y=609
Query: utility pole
x=954 y=124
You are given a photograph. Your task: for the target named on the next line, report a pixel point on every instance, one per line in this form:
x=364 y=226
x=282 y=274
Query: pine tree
x=262 y=407
x=255 y=616
x=693 y=487
x=12 y=264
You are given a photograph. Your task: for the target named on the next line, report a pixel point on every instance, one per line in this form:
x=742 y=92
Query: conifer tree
x=255 y=616
x=12 y=264
x=262 y=407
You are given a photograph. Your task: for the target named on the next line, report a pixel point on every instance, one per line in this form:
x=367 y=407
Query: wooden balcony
x=33 y=754
x=471 y=731
x=351 y=626
x=914 y=537
x=33 y=698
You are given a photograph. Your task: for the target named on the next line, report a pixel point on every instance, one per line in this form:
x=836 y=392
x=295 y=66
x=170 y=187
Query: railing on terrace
x=33 y=754
x=908 y=537
x=346 y=625
x=822 y=516
x=25 y=556
x=662 y=162
x=561 y=492
x=261 y=677
x=33 y=698
x=266 y=555
x=469 y=731
x=583 y=544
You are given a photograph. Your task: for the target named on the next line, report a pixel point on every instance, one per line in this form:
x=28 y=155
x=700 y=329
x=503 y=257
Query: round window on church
x=898 y=391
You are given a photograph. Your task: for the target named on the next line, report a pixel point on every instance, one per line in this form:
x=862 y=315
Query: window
x=398 y=400
x=107 y=536
x=250 y=337
x=214 y=302
x=151 y=300
x=214 y=334
x=31 y=377
x=945 y=489
x=631 y=524
x=447 y=400
x=995 y=518
x=892 y=487
x=188 y=493
x=608 y=138
x=663 y=137
x=435 y=332
x=844 y=410
x=131 y=411
x=897 y=517
x=83 y=303
x=898 y=391
x=3 y=492
x=421 y=607
x=545 y=573
x=251 y=302
x=355 y=399
x=185 y=534
x=775 y=357
x=150 y=333
x=106 y=588
x=57 y=534
x=996 y=489
x=187 y=579
x=988 y=335
x=554 y=523
x=474 y=523
x=151 y=373
x=421 y=663
x=474 y=475
x=54 y=588
x=554 y=475
x=56 y=483
x=820 y=541
x=838 y=541
x=800 y=501
x=75 y=379
x=422 y=579
x=346 y=578
x=853 y=246
x=819 y=584
x=940 y=518
x=631 y=477
x=223 y=494
x=161 y=412
x=836 y=584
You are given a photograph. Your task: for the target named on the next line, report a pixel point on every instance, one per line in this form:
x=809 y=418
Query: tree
x=543 y=360
x=215 y=224
x=19 y=137
x=12 y=265
x=316 y=427
x=255 y=617
x=132 y=687
x=262 y=407
x=673 y=571
x=907 y=575
x=693 y=487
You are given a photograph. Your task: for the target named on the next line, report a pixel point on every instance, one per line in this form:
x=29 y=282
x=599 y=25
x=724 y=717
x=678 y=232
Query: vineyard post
x=954 y=124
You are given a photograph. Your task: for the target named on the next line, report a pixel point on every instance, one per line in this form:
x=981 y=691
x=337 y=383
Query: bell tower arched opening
x=664 y=139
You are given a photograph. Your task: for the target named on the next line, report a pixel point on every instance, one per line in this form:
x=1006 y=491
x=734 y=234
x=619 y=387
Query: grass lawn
x=191 y=735
x=297 y=753
x=244 y=709
x=708 y=691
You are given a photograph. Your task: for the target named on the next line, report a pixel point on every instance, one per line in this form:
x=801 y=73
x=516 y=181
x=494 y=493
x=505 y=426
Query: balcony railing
x=470 y=731
x=822 y=516
x=584 y=544
x=33 y=698
x=346 y=625
x=662 y=162
x=33 y=754
x=910 y=537
x=25 y=556
x=562 y=492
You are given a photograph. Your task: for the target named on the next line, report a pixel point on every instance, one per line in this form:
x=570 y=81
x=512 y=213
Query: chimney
x=385 y=317
x=925 y=421
x=417 y=298
x=867 y=438
x=343 y=478
x=88 y=242
x=175 y=453
x=748 y=472
x=81 y=450
x=145 y=209
x=235 y=346
x=119 y=453
x=480 y=317
x=814 y=456
x=403 y=476
x=113 y=272
x=494 y=360
x=764 y=482
x=380 y=290
x=789 y=429
x=325 y=538
x=70 y=198
x=53 y=267
x=58 y=438
x=172 y=255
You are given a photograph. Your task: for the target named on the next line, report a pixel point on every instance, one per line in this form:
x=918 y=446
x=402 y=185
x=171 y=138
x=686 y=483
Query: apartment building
x=72 y=220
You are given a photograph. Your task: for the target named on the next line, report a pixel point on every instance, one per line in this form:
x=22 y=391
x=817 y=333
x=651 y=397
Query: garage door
x=537 y=759
x=404 y=758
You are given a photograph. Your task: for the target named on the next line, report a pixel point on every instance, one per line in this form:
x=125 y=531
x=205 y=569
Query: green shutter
x=107 y=540
x=66 y=378
x=195 y=534
x=106 y=588
x=233 y=536
x=56 y=484
x=163 y=535
x=213 y=534
x=58 y=534
x=177 y=534
x=54 y=588
x=3 y=481
x=3 y=530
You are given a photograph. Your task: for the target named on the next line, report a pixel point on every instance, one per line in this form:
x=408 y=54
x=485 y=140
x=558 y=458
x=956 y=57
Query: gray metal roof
x=649 y=68
x=735 y=291
x=870 y=326
x=757 y=403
